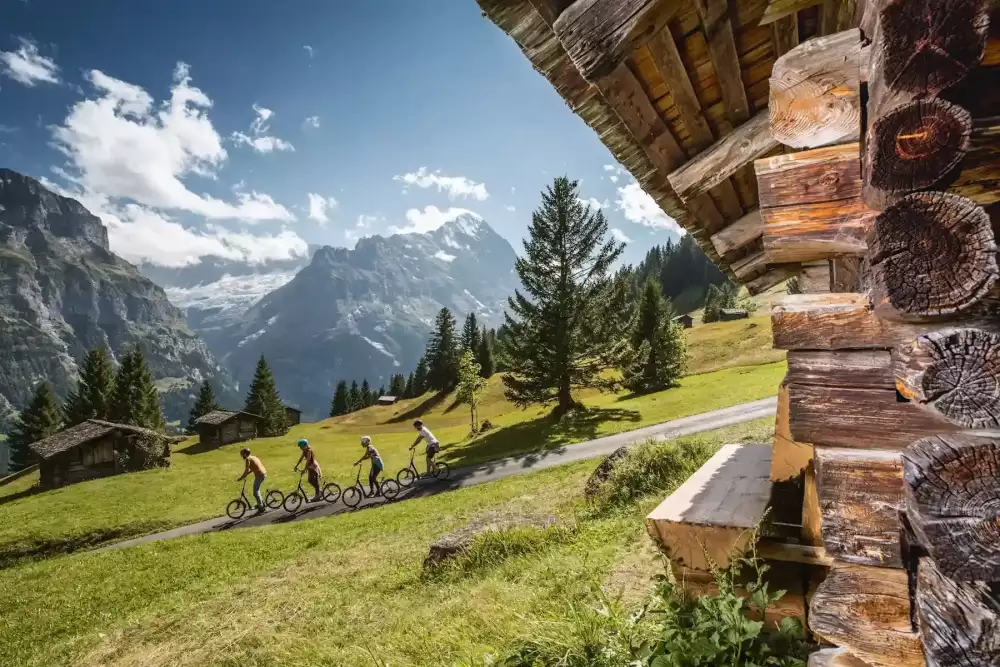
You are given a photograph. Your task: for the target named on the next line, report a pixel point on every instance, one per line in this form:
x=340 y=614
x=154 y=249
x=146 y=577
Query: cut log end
x=931 y=254
x=914 y=146
x=926 y=46
x=952 y=487
x=959 y=622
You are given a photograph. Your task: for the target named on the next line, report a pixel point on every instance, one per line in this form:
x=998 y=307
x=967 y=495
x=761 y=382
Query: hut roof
x=217 y=417
x=88 y=431
x=686 y=93
x=733 y=311
x=288 y=407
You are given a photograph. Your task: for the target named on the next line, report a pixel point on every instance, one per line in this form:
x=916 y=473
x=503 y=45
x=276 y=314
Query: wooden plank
x=979 y=179
x=812 y=515
x=779 y=576
x=549 y=10
x=743 y=232
x=599 y=34
x=829 y=16
x=777 y=9
x=815 y=92
x=724 y=158
x=862 y=369
x=845 y=274
x=667 y=60
x=848 y=15
x=866 y=610
x=835 y=657
x=860 y=497
x=714 y=15
x=816 y=231
x=815 y=277
x=775 y=275
x=709 y=516
x=788 y=458
x=834 y=321
x=793 y=553
x=858 y=418
x=815 y=176
x=750 y=265
x=785 y=34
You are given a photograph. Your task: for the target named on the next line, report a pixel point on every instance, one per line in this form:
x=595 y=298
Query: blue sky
x=249 y=129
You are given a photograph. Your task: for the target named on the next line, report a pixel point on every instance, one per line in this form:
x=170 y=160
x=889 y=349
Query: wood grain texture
x=599 y=34
x=815 y=176
x=952 y=495
x=743 y=232
x=979 y=178
x=835 y=657
x=866 y=610
x=777 y=9
x=785 y=34
x=752 y=264
x=789 y=459
x=959 y=622
x=860 y=497
x=714 y=15
x=858 y=418
x=808 y=232
x=862 y=369
x=773 y=276
x=667 y=60
x=845 y=274
x=815 y=92
x=724 y=158
x=812 y=514
x=815 y=277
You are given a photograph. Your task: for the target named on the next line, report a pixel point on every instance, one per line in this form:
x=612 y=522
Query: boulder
x=602 y=472
x=458 y=541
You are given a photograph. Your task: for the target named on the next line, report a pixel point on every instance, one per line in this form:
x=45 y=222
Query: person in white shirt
x=432 y=443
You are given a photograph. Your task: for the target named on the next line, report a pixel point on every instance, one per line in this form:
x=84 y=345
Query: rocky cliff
x=62 y=291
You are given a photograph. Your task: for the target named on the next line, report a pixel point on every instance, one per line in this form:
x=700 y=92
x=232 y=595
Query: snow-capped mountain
x=366 y=312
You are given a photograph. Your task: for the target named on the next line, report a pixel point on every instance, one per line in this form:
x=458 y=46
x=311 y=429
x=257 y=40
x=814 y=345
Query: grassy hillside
x=341 y=591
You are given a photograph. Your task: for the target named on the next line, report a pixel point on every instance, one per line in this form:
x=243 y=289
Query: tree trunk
x=959 y=622
x=956 y=373
x=931 y=254
x=952 y=487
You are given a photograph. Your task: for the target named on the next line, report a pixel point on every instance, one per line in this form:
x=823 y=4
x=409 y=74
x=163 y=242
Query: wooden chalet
x=223 y=427
x=90 y=450
x=685 y=321
x=730 y=314
x=854 y=144
x=386 y=400
x=293 y=416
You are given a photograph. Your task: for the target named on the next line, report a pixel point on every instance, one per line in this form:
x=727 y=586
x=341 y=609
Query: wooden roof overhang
x=678 y=91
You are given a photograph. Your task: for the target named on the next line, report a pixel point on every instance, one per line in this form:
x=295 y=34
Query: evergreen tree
x=470 y=385
x=354 y=397
x=655 y=356
x=484 y=355
x=566 y=331
x=397 y=387
x=264 y=401
x=470 y=334
x=442 y=353
x=381 y=392
x=420 y=378
x=135 y=400
x=40 y=419
x=340 y=405
x=206 y=403
x=408 y=388
x=366 y=394
x=92 y=397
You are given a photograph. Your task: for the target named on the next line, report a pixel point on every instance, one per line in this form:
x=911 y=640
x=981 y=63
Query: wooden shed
x=730 y=314
x=855 y=144
x=685 y=321
x=386 y=400
x=222 y=427
x=293 y=416
x=90 y=450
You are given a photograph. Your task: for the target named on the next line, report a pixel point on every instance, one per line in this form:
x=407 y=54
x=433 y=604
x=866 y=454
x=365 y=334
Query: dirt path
x=489 y=472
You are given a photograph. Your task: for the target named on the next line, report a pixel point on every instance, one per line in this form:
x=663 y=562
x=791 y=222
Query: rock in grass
x=459 y=540
x=602 y=472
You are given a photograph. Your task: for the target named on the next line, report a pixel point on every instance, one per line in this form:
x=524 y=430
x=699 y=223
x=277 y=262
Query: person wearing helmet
x=433 y=446
x=312 y=466
x=253 y=465
x=377 y=465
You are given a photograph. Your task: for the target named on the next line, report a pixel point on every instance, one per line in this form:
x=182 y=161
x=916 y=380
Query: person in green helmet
x=312 y=466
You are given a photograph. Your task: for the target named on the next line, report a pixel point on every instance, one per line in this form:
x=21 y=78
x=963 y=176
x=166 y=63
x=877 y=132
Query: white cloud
x=311 y=121
x=421 y=222
x=28 y=66
x=121 y=144
x=614 y=171
x=364 y=222
x=640 y=208
x=318 y=207
x=454 y=186
x=309 y=50
x=259 y=139
x=593 y=203
x=620 y=236
x=510 y=208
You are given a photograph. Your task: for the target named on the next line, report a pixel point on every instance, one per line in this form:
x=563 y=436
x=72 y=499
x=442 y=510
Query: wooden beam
x=858 y=418
x=750 y=265
x=775 y=275
x=834 y=657
x=845 y=274
x=667 y=60
x=861 y=369
x=743 y=232
x=829 y=15
x=815 y=92
x=713 y=166
x=793 y=553
x=959 y=622
x=714 y=16
x=785 y=34
x=815 y=277
x=860 y=497
x=848 y=17
x=812 y=514
x=866 y=610
x=952 y=495
x=979 y=178
x=550 y=10
x=815 y=176
x=788 y=458
x=777 y=9
x=598 y=35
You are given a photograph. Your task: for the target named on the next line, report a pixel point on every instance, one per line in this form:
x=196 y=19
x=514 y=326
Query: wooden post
x=959 y=622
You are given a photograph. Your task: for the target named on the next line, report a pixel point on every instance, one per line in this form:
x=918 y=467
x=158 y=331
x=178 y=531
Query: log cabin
x=853 y=144
x=293 y=416
x=94 y=449
x=224 y=427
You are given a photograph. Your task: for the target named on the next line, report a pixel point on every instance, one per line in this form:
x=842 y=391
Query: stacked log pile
x=890 y=410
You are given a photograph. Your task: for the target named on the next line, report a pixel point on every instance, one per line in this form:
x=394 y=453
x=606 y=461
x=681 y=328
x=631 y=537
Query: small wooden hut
x=386 y=400
x=685 y=321
x=730 y=314
x=90 y=450
x=222 y=427
x=855 y=144
x=293 y=416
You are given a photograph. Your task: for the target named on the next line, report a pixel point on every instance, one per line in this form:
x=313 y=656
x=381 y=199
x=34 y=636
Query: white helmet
x=365 y=440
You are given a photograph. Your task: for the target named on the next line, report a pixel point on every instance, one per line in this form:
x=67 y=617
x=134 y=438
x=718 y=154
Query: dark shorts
x=433 y=448
x=313 y=478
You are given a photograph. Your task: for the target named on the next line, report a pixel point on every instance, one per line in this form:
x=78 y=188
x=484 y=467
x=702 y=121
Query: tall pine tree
x=442 y=353
x=408 y=388
x=397 y=387
x=40 y=419
x=264 y=401
x=354 y=397
x=566 y=330
x=484 y=355
x=470 y=334
x=91 y=399
x=366 y=394
x=204 y=404
x=135 y=400
x=420 y=378
x=340 y=405
x=654 y=359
